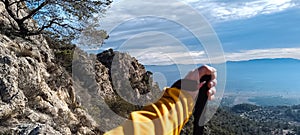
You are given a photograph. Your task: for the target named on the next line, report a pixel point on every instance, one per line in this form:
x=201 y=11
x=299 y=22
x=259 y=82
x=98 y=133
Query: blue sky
x=246 y=29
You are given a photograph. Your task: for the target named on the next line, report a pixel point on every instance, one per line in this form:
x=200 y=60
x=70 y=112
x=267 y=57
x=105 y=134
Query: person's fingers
x=207 y=70
x=201 y=84
x=211 y=93
x=213 y=83
x=214 y=75
x=211 y=69
x=196 y=74
x=211 y=97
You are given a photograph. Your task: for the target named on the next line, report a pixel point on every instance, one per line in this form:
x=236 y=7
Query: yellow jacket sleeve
x=165 y=117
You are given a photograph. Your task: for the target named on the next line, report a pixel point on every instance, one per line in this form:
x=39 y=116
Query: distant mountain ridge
x=267 y=60
x=251 y=60
x=259 y=77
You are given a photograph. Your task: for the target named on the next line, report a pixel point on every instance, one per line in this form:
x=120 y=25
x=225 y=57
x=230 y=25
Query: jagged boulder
x=112 y=84
x=127 y=73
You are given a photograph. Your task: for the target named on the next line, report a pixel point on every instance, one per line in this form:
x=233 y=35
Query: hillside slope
x=49 y=88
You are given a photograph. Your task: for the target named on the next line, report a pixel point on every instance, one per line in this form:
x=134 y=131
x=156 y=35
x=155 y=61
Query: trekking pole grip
x=199 y=108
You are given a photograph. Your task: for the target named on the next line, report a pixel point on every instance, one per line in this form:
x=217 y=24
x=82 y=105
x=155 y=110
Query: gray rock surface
x=111 y=84
x=38 y=96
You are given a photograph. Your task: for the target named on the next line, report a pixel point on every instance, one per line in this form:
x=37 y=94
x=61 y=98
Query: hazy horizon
x=247 y=79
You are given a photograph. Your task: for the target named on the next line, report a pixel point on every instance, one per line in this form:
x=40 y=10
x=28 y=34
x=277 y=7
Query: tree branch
x=34 y=11
x=48 y=16
x=48 y=25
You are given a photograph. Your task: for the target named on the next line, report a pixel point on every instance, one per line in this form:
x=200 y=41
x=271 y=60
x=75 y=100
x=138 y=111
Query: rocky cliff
x=36 y=94
x=39 y=95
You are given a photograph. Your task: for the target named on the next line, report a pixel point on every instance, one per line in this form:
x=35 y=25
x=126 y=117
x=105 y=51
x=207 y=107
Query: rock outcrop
x=112 y=84
x=37 y=95
x=40 y=96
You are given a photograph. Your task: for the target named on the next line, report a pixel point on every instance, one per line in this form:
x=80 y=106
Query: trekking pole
x=200 y=106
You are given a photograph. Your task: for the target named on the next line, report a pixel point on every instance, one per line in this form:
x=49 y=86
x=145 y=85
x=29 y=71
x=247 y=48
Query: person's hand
x=196 y=74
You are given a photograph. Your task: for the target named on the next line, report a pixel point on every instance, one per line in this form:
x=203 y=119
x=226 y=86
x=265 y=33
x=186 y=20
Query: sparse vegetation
x=62 y=19
x=252 y=119
x=63 y=52
x=248 y=119
x=244 y=108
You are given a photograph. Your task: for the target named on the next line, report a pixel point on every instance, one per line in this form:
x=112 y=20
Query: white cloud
x=168 y=10
x=155 y=49
x=128 y=18
x=264 y=53
x=233 y=10
x=216 y=10
x=159 y=55
x=159 y=48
